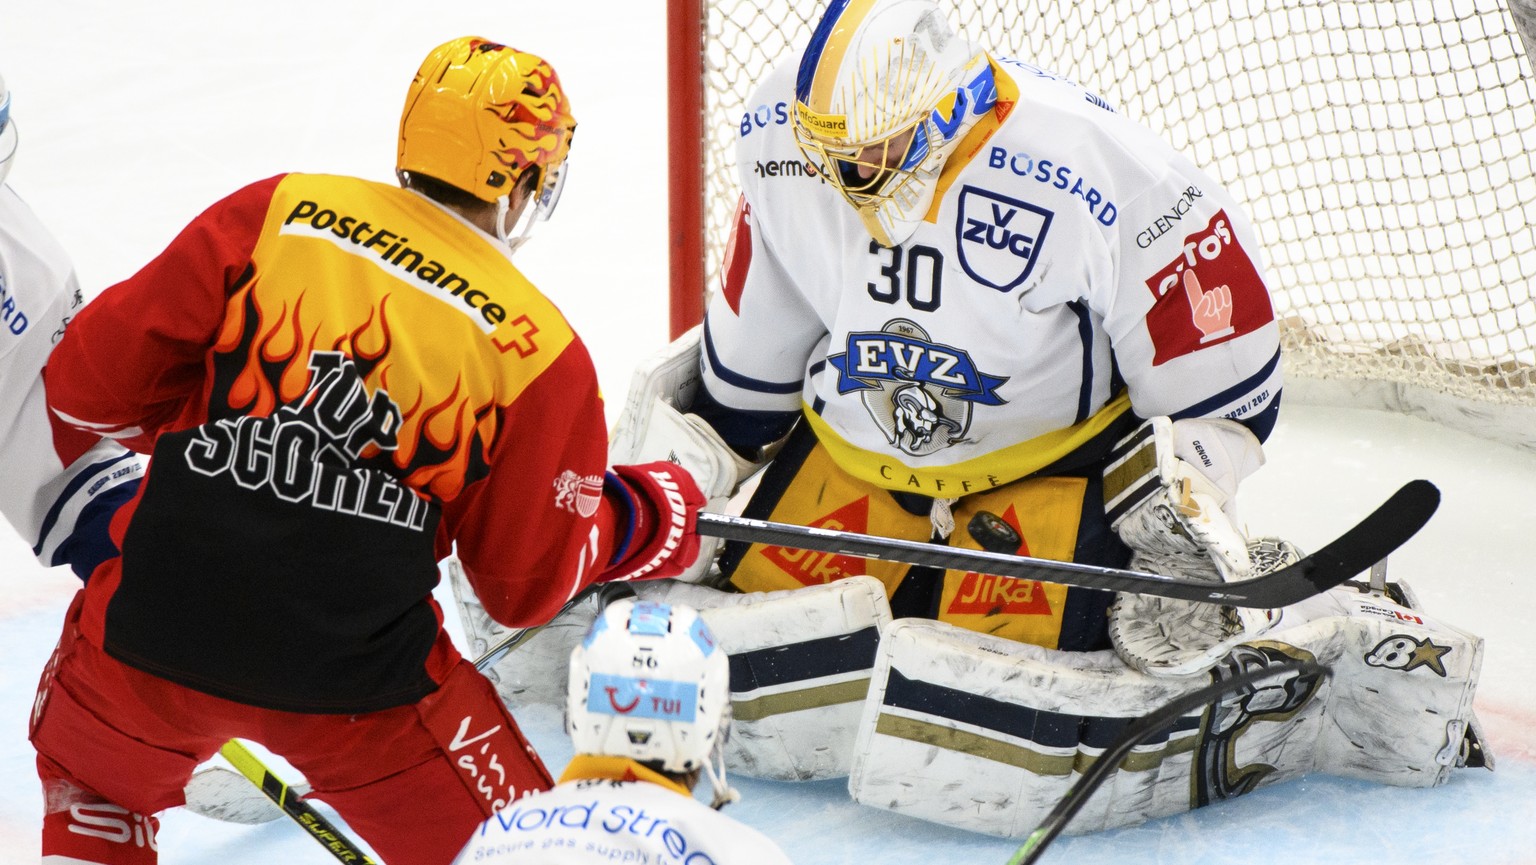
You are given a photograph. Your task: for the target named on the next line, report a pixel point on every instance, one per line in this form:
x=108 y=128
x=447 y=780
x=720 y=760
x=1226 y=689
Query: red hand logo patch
x=1210 y=294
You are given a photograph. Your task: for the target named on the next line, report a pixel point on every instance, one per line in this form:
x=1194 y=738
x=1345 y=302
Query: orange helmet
x=479 y=114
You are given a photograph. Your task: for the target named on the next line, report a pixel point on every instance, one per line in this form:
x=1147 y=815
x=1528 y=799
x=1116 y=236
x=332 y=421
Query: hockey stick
x=294 y=805
x=1144 y=728
x=221 y=794
x=1367 y=542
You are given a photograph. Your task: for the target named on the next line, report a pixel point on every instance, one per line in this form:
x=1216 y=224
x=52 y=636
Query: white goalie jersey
x=1073 y=265
x=58 y=486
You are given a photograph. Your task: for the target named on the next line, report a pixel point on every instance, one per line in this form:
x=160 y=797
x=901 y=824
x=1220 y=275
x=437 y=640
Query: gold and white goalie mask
x=885 y=91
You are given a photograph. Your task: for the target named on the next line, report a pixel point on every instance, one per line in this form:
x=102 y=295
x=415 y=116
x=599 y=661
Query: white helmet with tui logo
x=649 y=683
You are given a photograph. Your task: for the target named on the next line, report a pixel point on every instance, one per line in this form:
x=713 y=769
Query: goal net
x=1386 y=152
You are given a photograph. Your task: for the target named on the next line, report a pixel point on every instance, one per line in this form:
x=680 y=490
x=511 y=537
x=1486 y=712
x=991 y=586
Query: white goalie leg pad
x=650 y=428
x=1400 y=701
x=481 y=632
x=800 y=668
x=987 y=734
x=537 y=672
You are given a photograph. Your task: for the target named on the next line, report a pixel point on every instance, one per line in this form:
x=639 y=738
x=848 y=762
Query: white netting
x=1386 y=152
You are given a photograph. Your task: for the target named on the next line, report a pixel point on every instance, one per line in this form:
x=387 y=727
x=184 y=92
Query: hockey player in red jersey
x=59 y=486
x=340 y=383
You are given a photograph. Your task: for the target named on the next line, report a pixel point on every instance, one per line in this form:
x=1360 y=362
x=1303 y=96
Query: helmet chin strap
x=503 y=230
x=723 y=793
x=514 y=232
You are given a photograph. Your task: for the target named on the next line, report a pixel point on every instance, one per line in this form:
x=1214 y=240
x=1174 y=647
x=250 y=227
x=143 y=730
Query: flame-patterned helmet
x=479 y=114
x=885 y=91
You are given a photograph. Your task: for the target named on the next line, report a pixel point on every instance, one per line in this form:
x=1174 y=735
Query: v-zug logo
x=999 y=238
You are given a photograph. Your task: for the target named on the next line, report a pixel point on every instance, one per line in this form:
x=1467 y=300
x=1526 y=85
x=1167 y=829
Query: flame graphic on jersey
x=261 y=362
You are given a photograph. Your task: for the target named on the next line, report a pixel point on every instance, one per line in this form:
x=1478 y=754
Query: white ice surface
x=133 y=117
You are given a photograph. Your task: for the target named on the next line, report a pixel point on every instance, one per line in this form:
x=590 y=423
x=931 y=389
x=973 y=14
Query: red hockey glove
x=664 y=505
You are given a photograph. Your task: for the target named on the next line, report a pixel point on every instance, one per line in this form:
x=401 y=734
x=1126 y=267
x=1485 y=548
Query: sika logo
x=989 y=595
x=815 y=569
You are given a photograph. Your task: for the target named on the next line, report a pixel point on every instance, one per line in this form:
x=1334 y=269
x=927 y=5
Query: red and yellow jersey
x=339 y=382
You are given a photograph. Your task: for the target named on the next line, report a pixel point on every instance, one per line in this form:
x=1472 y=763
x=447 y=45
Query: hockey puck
x=994 y=535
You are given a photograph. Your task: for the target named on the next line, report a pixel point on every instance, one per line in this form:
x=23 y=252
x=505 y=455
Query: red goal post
x=1386 y=152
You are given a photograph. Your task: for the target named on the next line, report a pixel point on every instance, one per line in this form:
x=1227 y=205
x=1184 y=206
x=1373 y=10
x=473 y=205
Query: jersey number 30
x=920 y=285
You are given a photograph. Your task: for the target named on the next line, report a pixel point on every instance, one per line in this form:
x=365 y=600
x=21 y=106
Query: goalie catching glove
x=1168 y=637
x=1170 y=490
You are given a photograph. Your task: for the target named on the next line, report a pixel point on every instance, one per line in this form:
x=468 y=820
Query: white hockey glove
x=1169 y=490
x=651 y=428
x=1168 y=637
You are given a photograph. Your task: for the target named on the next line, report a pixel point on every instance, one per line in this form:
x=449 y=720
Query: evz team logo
x=999 y=238
x=919 y=393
